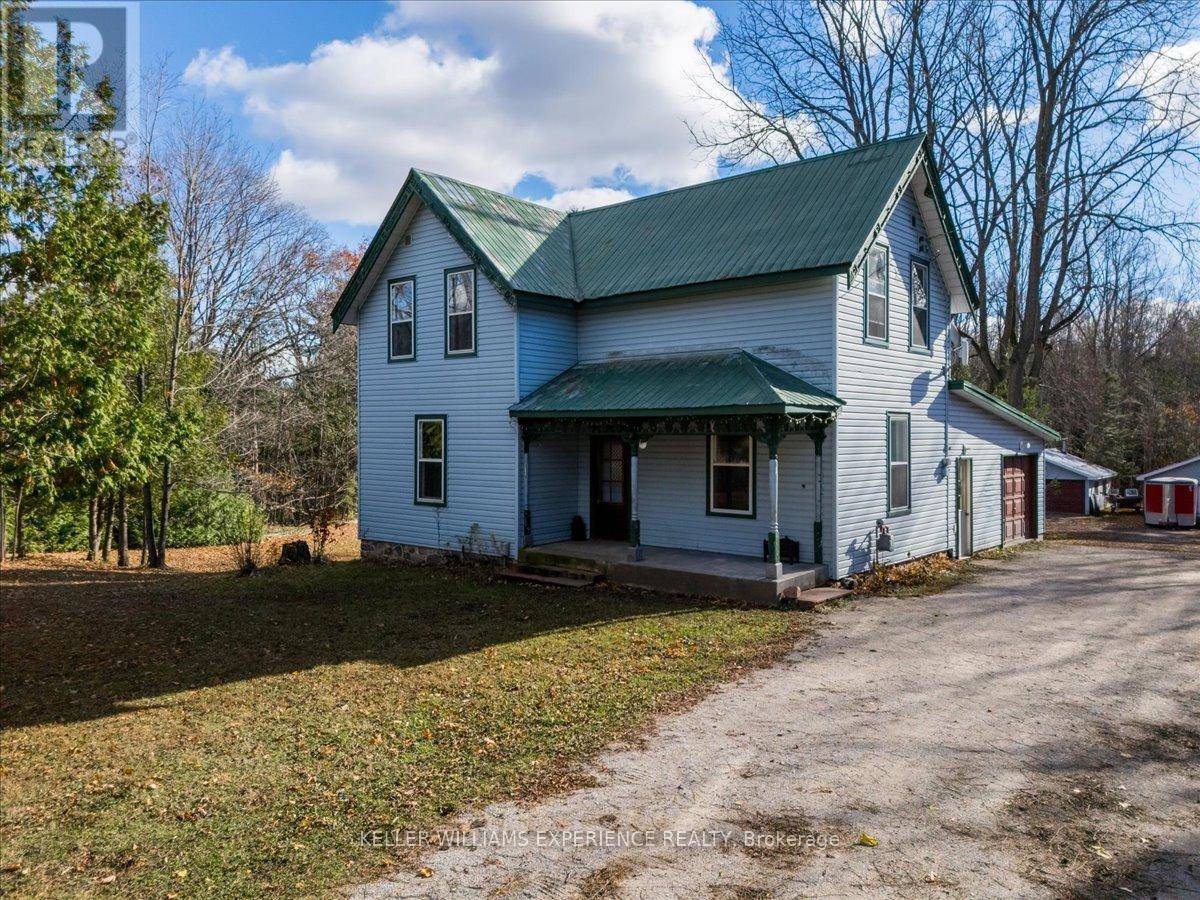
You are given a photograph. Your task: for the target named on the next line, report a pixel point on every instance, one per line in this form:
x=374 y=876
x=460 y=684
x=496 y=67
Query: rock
x=295 y=553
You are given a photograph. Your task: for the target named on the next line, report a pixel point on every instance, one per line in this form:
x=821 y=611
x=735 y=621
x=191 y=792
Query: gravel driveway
x=1035 y=732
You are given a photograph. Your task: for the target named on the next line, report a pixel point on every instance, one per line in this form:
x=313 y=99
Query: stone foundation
x=403 y=554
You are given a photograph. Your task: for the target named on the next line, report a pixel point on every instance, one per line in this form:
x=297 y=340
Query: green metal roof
x=812 y=215
x=816 y=213
x=993 y=404
x=729 y=382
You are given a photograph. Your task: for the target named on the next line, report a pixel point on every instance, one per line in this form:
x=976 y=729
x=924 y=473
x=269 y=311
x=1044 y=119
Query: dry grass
x=932 y=574
x=928 y=575
x=194 y=733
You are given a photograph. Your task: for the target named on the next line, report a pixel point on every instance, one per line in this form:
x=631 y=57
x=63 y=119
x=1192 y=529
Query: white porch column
x=526 y=515
x=635 y=524
x=773 y=437
x=774 y=565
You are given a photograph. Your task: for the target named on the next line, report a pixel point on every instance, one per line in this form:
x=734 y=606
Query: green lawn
x=195 y=733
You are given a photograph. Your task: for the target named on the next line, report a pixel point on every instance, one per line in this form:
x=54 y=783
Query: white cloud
x=586 y=198
x=577 y=93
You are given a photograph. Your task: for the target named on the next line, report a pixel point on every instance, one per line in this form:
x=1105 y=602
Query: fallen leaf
x=425 y=872
x=866 y=840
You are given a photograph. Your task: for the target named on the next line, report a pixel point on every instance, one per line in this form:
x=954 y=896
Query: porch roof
x=723 y=383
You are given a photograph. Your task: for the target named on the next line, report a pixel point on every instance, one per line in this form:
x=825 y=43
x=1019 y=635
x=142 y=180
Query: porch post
x=526 y=516
x=635 y=524
x=818 y=439
x=774 y=563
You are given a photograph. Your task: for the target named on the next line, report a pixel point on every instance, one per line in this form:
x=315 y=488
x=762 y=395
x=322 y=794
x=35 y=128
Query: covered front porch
x=690 y=454
x=699 y=573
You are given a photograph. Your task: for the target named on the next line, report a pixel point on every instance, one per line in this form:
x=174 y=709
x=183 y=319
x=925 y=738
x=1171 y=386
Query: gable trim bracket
x=365 y=276
x=923 y=159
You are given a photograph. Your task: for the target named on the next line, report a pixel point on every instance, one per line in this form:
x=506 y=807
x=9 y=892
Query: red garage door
x=1018 y=498
x=1065 y=496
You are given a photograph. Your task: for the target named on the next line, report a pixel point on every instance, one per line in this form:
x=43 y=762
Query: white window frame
x=446 y=276
x=418 y=497
x=715 y=510
x=914 y=265
x=867 y=294
x=411 y=321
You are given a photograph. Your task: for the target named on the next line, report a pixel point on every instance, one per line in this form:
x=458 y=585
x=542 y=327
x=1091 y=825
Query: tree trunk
x=149 y=547
x=122 y=530
x=164 y=513
x=106 y=542
x=19 y=523
x=3 y=524
x=93 y=529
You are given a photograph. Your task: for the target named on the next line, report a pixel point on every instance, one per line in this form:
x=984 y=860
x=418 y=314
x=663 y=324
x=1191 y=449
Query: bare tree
x=240 y=258
x=1055 y=125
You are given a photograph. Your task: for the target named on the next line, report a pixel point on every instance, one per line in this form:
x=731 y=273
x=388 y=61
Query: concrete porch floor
x=694 y=572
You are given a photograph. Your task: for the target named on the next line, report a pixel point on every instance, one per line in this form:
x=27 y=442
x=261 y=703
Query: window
x=402 y=305
x=431 y=460
x=877 y=293
x=919 y=291
x=731 y=475
x=460 y=311
x=899 y=478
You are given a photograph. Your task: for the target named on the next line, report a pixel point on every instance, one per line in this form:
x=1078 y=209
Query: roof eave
x=764 y=409
x=997 y=407
x=1156 y=472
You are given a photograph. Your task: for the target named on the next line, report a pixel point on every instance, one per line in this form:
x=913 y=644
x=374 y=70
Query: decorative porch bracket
x=817 y=433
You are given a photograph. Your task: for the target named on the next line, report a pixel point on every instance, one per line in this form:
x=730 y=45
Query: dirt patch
x=1125 y=527
x=1084 y=830
x=787 y=838
x=606 y=881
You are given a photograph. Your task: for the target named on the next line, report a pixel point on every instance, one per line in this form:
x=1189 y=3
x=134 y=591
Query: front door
x=1019 y=492
x=966 y=508
x=610 y=488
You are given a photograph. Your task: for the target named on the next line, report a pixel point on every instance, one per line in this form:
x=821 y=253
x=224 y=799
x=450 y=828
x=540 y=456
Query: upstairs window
x=460 y=311
x=899 y=478
x=731 y=475
x=402 y=305
x=431 y=460
x=877 y=293
x=919 y=289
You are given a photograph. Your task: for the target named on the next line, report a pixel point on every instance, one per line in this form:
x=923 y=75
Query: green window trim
x=446 y=273
x=913 y=263
x=887 y=290
x=752 y=513
x=892 y=464
x=392 y=357
x=419 y=460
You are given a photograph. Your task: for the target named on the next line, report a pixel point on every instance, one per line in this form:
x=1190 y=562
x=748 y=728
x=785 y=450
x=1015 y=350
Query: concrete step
x=552 y=575
x=814 y=597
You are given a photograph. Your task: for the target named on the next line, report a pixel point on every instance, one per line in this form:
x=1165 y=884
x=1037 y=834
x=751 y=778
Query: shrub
x=246 y=542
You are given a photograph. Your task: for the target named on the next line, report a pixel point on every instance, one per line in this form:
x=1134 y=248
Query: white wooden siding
x=790 y=326
x=875 y=380
x=473 y=392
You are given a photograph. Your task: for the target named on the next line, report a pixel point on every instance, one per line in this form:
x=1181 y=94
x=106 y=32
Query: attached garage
x=997 y=453
x=1074 y=486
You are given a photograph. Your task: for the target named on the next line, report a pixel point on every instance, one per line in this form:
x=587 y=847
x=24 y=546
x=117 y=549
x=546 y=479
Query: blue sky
x=255 y=59
x=572 y=103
